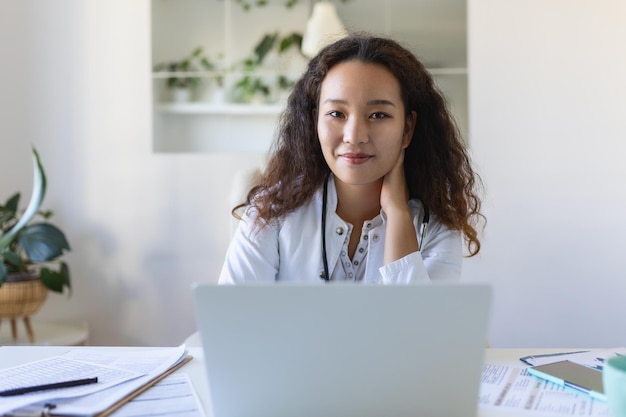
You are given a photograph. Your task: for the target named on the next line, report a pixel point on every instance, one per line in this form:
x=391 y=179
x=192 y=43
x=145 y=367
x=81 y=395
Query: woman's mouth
x=355 y=158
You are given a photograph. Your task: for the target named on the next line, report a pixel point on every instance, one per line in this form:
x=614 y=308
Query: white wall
x=547 y=123
x=547 y=103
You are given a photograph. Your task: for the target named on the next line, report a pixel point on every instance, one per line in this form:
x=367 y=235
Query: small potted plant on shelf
x=251 y=87
x=30 y=255
x=182 y=78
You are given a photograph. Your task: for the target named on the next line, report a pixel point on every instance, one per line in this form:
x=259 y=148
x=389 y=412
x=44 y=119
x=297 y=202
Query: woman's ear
x=409 y=128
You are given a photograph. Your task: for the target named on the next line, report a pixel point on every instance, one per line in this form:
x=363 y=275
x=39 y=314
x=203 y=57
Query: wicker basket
x=21 y=295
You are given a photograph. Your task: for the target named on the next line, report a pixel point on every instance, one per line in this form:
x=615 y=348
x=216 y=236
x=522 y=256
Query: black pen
x=34 y=388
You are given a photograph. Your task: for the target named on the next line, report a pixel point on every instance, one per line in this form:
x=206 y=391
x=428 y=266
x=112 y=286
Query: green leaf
x=39 y=191
x=3 y=273
x=208 y=65
x=266 y=45
x=46 y=214
x=13 y=202
x=185 y=65
x=5 y=215
x=196 y=52
x=295 y=39
x=13 y=259
x=43 y=242
x=8 y=212
x=65 y=271
x=54 y=280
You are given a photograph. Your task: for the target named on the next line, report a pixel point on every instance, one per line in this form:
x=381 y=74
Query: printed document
x=174 y=396
x=512 y=387
x=119 y=371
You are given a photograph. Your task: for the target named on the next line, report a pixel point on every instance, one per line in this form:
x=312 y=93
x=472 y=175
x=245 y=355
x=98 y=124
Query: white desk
x=11 y=356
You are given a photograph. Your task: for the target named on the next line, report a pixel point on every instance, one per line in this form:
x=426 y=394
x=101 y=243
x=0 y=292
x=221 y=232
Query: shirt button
x=350 y=275
x=347 y=263
x=339 y=231
x=361 y=250
x=365 y=237
x=376 y=238
x=356 y=262
x=368 y=225
x=343 y=253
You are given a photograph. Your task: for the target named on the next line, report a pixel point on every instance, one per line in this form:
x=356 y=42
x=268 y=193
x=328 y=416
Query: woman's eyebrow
x=380 y=102
x=335 y=101
x=376 y=102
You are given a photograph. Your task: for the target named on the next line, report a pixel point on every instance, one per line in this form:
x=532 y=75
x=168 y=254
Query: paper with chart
x=119 y=372
x=511 y=387
x=174 y=396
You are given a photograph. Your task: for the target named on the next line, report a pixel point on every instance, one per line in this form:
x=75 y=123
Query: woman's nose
x=355 y=131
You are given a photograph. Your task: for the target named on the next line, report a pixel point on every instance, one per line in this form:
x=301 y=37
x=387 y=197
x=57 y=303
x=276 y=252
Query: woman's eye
x=335 y=113
x=379 y=115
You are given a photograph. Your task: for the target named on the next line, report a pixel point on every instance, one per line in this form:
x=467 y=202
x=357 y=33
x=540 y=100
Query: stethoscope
x=325 y=275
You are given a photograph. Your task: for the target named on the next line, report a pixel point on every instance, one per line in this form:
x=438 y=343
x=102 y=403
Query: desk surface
x=11 y=356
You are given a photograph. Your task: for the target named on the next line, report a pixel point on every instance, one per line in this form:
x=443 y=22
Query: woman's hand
x=401 y=238
x=394 y=194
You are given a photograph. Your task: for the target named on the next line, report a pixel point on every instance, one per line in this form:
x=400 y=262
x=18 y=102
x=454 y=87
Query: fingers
x=394 y=193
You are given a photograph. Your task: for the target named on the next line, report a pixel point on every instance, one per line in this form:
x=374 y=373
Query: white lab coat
x=290 y=249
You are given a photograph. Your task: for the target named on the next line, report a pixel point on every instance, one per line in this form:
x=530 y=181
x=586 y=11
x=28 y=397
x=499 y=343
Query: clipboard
x=49 y=409
x=142 y=389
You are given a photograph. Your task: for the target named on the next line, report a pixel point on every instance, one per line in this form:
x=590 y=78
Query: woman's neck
x=358 y=203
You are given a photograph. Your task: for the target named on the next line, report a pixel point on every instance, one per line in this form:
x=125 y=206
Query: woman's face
x=361 y=122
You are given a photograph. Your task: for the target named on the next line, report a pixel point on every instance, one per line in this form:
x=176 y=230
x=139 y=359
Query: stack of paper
x=121 y=375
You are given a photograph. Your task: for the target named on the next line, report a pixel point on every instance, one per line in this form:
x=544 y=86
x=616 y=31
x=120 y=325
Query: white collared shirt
x=290 y=248
x=354 y=269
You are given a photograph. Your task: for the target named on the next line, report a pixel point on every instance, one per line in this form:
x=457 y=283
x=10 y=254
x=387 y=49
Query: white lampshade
x=323 y=28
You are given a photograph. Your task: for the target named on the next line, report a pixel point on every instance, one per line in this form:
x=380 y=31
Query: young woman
x=369 y=179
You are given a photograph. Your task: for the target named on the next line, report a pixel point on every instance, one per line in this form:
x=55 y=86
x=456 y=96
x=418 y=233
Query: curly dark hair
x=437 y=167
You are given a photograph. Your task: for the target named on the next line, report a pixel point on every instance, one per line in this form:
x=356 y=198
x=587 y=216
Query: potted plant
x=251 y=87
x=182 y=78
x=30 y=254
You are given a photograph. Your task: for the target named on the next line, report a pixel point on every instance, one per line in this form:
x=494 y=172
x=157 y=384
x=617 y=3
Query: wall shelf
x=225 y=109
x=211 y=122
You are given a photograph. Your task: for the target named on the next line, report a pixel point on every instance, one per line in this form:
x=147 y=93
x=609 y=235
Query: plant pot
x=218 y=95
x=181 y=95
x=21 y=296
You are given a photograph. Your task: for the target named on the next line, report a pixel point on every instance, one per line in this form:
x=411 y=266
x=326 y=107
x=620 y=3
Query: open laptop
x=300 y=350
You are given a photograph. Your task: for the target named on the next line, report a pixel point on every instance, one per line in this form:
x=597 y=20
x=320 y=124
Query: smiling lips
x=355 y=158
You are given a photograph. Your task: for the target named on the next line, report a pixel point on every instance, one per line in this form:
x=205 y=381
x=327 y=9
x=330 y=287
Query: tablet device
x=571 y=374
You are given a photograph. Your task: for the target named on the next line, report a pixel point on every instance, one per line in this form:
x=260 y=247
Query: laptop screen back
x=343 y=349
